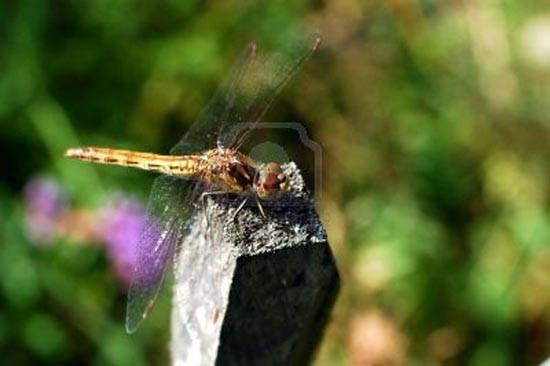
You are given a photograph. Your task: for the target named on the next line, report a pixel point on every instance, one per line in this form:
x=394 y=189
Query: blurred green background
x=434 y=119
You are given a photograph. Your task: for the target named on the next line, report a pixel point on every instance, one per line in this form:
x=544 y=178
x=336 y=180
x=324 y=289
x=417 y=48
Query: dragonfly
x=206 y=161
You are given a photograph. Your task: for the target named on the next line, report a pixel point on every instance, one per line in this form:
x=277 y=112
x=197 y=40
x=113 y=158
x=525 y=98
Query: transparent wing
x=245 y=96
x=260 y=86
x=167 y=213
x=202 y=135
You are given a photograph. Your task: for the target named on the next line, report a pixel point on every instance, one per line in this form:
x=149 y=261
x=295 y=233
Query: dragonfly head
x=270 y=181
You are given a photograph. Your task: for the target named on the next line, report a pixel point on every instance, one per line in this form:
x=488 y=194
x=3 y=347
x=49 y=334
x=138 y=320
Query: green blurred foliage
x=435 y=126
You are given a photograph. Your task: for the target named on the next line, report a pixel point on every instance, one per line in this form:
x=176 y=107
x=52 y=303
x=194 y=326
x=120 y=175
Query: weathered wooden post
x=251 y=290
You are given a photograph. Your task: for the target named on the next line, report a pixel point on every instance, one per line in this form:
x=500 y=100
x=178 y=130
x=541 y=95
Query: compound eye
x=270 y=182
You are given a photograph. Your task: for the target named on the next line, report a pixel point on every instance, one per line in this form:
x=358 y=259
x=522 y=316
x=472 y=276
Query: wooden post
x=251 y=290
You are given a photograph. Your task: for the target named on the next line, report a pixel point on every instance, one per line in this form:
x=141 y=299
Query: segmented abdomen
x=184 y=165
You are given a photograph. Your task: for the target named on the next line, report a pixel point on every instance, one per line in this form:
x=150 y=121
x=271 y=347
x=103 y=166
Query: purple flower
x=45 y=201
x=120 y=224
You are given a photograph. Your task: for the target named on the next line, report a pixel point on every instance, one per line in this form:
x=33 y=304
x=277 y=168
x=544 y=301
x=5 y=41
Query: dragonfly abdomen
x=184 y=165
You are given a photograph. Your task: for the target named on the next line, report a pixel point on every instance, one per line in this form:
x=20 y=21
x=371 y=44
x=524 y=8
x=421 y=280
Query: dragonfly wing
x=202 y=135
x=164 y=227
x=260 y=86
x=245 y=96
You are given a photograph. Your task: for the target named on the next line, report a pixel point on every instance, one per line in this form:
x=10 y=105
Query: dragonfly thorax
x=227 y=170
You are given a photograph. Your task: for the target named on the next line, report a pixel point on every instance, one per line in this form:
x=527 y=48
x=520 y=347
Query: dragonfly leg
x=260 y=207
x=241 y=205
